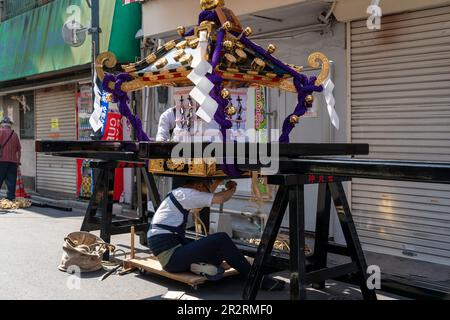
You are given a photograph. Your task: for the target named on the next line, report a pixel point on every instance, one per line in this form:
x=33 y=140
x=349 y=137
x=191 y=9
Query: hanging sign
x=113 y=131
x=55 y=125
x=113 y=128
x=104 y=104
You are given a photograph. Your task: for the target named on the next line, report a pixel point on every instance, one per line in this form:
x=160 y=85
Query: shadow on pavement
x=55 y=213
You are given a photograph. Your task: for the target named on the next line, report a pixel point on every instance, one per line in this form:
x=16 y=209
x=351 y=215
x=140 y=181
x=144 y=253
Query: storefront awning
x=33 y=43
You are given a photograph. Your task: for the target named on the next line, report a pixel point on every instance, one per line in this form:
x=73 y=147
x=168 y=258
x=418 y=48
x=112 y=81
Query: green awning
x=32 y=43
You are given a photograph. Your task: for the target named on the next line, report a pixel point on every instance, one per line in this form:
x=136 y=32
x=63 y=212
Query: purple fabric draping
x=217 y=55
x=204 y=16
x=219 y=117
x=121 y=98
x=208 y=15
x=303 y=90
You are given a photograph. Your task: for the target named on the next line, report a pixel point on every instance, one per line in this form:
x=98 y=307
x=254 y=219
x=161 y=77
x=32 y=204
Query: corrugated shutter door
x=56 y=175
x=400 y=82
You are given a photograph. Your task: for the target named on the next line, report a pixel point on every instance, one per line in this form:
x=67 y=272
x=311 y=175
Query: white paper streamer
x=95 y=121
x=331 y=102
x=201 y=67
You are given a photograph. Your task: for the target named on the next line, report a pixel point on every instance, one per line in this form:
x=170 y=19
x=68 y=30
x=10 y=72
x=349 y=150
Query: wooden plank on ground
x=152 y=265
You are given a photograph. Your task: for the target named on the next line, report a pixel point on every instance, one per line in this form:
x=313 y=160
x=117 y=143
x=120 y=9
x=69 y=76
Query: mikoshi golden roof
x=239 y=66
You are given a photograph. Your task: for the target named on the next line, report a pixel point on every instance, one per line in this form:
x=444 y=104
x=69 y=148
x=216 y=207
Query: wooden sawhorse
x=102 y=198
x=292 y=192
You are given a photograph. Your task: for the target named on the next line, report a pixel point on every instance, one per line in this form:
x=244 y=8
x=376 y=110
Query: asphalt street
x=31 y=249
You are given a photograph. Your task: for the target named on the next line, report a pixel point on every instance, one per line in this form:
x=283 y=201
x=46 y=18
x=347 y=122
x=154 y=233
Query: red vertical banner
x=79 y=176
x=114 y=132
x=79 y=161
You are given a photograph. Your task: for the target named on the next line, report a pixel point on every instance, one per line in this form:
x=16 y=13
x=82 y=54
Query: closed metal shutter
x=55 y=120
x=400 y=94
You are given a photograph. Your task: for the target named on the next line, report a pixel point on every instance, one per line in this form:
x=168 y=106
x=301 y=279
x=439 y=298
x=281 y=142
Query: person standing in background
x=10 y=156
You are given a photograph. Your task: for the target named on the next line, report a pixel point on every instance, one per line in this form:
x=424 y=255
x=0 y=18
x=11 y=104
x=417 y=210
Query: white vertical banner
x=203 y=87
x=331 y=102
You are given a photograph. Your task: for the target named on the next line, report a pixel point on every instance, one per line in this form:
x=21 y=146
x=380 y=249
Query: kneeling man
x=205 y=256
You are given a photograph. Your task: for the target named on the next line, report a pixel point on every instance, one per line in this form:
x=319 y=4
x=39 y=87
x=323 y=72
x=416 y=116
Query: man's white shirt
x=169 y=215
x=201 y=131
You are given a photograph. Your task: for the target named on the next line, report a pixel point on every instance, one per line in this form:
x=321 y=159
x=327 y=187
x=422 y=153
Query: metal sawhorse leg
x=291 y=192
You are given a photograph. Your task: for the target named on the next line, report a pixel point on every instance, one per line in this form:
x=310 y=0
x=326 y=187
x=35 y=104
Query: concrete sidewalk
x=31 y=249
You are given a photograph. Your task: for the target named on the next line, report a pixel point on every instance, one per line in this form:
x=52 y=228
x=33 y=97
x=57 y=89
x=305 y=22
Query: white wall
x=296 y=51
x=160 y=16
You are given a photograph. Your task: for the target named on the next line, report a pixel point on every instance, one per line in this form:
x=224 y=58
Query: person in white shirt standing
x=172 y=127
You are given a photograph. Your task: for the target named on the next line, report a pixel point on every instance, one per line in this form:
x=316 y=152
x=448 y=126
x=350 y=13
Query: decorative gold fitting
x=202 y=167
x=206 y=23
x=170 y=45
x=151 y=58
x=258 y=65
x=129 y=68
x=175 y=165
x=233 y=71
x=211 y=4
x=178 y=55
x=227 y=26
x=186 y=59
x=241 y=55
x=294 y=119
x=248 y=32
x=309 y=100
x=296 y=68
x=194 y=43
x=181 y=69
x=153 y=78
x=319 y=60
x=271 y=49
x=156 y=166
x=239 y=45
x=231 y=111
x=181 y=31
x=182 y=45
x=207 y=26
x=228 y=45
x=230 y=60
x=225 y=94
x=271 y=75
x=161 y=63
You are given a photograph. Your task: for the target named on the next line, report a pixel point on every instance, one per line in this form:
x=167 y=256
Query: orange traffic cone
x=20 y=188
